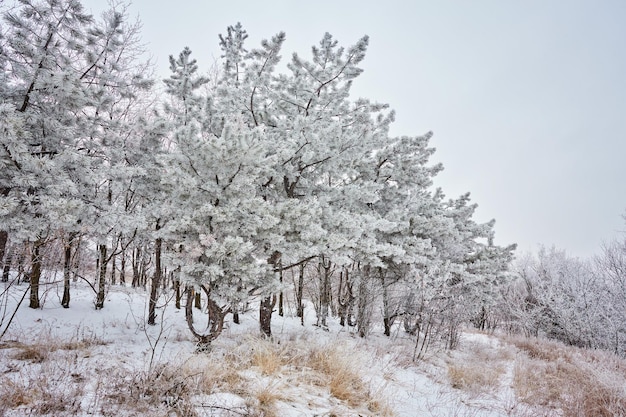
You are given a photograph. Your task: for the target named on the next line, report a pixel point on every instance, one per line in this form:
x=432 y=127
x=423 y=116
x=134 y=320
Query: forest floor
x=83 y=362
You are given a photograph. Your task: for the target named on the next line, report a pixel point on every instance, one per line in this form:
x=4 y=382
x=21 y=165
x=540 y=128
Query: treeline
x=220 y=187
x=581 y=302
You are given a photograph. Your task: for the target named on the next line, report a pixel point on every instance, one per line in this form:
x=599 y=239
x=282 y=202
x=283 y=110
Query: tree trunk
x=156 y=281
x=67 y=267
x=4 y=235
x=6 y=269
x=387 y=320
x=112 y=281
x=299 y=290
x=364 y=312
x=216 y=319
x=123 y=267
x=280 y=295
x=178 y=292
x=20 y=266
x=135 y=261
x=324 y=273
x=143 y=275
x=265 y=315
x=102 y=276
x=35 y=274
x=268 y=303
x=345 y=299
x=77 y=259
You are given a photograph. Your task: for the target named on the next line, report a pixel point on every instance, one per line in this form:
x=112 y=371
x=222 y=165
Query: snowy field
x=80 y=361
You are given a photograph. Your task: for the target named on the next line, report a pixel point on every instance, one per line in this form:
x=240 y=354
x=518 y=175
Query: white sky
x=527 y=99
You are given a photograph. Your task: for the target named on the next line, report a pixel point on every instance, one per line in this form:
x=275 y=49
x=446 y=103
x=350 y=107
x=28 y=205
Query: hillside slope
x=80 y=361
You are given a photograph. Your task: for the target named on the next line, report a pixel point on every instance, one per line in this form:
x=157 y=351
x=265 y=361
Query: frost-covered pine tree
x=219 y=231
x=271 y=171
x=70 y=83
x=43 y=40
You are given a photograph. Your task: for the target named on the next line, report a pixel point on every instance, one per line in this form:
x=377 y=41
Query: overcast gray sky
x=527 y=99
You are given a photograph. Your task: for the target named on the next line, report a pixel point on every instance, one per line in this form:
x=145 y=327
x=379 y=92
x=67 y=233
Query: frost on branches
x=229 y=188
x=275 y=173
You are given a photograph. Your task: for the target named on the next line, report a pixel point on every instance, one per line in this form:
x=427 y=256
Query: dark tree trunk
x=345 y=298
x=6 y=269
x=123 y=267
x=67 y=267
x=156 y=281
x=265 y=315
x=178 y=292
x=280 y=295
x=267 y=304
x=216 y=319
x=35 y=274
x=76 y=259
x=387 y=323
x=299 y=291
x=481 y=320
x=20 y=266
x=144 y=269
x=113 y=270
x=387 y=320
x=4 y=235
x=102 y=276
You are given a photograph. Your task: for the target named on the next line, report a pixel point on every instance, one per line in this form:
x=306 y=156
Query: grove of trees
x=247 y=184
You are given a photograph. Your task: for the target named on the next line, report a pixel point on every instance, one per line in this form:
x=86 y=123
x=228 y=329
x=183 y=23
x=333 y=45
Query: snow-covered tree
x=69 y=82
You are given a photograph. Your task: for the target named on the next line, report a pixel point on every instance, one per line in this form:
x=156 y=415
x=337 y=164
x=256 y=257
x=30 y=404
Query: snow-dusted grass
x=79 y=361
x=579 y=382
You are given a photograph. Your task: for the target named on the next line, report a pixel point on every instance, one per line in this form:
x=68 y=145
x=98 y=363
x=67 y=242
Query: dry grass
x=479 y=367
x=161 y=391
x=211 y=374
x=575 y=381
x=242 y=367
x=546 y=350
x=264 y=401
x=51 y=390
x=339 y=367
x=32 y=353
x=41 y=351
x=475 y=378
x=268 y=357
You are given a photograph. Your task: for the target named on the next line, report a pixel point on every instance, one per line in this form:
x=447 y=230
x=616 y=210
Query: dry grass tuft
x=212 y=375
x=547 y=350
x=14 y=395
x=33 y=353
x=379 y=407
x=161 y=391
x=342 y=373
x=267 y=357
x=475 y=377
x=265 y=401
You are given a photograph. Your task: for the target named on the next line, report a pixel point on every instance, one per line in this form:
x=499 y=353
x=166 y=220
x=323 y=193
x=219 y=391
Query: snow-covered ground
x=79 y=361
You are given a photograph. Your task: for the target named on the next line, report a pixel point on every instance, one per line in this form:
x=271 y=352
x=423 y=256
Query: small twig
x=87 y=281
x=15 y=312
x=218 y=407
